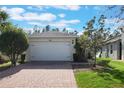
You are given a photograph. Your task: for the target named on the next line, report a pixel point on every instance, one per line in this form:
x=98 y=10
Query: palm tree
x=47 y=28
x=4 y=20
x=64 y=30
x=3 y=16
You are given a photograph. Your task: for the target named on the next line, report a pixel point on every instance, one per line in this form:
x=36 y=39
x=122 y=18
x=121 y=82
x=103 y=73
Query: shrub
x=3 y=59
x=103 y=61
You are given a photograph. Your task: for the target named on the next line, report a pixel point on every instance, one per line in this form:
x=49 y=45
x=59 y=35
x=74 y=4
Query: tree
x=53 y=29
x=3 y=16
x=57 y=29
x=36 y=29
x=97 y=34
x=82 y=46
x=48 y=28
x=7 y=26
x=116 y=14
x=75 y=32
x=13 y=43
x=120 y=10
x=64 y=30
x=4 y=23
x=115 y=33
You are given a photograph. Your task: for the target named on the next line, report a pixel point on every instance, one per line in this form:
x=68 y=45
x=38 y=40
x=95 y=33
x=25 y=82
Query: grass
x=117 y=64
x=5 y=65
x=108 y=77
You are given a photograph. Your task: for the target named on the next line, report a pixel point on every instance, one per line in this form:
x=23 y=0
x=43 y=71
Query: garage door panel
x=51 y=51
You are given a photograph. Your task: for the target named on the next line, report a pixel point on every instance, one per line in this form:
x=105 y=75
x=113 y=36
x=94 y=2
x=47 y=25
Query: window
x=111 y=51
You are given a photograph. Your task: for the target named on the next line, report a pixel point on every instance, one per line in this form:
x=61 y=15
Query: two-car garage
x=50 y=51
x=51 y=46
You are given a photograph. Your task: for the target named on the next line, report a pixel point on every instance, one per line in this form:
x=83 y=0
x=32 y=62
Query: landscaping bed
x=80 y=65
x=108 y=76
x=5 y=66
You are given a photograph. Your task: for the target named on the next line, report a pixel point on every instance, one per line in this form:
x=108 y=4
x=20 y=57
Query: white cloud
x=114 y=21
x=39 y=6
x=75 y=21
x=15 y=13
x=39 y=17
x=29 y=7
x=61 y=23
x=34 y=23
x=96 y=7
x=20 y=14
x=61 y=15
x=73 y=7
x=66 y=7
x=54 y=24
x=86 y=7
x=13 y=10
x=80 y=33
x=70 y=29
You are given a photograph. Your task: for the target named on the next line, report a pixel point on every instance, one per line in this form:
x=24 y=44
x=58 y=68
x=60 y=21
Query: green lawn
x=103 y=78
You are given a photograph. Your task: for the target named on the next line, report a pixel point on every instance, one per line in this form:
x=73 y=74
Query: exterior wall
x=115 y=48
x=51 y=39
x=122 y=46
x=103 y=54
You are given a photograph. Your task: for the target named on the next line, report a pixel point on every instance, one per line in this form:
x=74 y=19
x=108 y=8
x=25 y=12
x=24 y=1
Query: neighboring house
x=114 y=48
x=51 y=46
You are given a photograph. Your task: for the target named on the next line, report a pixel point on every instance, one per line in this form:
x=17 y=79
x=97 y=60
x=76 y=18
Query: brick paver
x=39 y=75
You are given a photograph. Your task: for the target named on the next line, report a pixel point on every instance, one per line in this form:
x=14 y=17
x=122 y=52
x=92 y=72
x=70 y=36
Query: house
x=51 y=46
x=114 y=48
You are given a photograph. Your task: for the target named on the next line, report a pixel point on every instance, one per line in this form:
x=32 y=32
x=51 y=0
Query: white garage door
x=50 y=51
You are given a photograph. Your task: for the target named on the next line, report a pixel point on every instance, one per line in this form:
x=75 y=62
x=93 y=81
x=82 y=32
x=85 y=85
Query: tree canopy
x=13 y=43
x=93 y=37
x=4 y=23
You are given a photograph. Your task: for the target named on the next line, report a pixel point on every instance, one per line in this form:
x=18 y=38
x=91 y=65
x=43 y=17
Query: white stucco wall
x=103 y=52
x=115 y=46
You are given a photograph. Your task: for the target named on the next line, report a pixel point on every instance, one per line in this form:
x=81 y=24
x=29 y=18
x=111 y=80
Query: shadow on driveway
x=35 y=65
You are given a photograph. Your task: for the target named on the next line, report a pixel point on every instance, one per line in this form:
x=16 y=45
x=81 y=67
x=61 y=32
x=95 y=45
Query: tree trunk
x=94 y=65
x=13 y=59
x=14 y=63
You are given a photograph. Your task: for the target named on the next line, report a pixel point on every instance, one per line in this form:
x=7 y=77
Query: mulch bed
x=80 y=66
x=4 y=68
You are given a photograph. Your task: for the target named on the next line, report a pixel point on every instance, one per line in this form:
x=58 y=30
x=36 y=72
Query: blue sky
x=72 y=17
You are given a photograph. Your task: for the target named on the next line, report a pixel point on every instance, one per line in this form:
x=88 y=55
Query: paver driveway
x=39 y=74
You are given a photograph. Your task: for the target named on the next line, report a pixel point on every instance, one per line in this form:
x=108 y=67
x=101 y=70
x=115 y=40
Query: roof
x=113 y=39
x=52 y=34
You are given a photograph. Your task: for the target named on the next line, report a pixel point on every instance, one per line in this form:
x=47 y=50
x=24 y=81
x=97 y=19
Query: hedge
x=103 y=61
